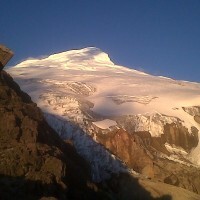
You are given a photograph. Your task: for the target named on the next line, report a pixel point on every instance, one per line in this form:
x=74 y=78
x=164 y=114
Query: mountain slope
x=87 y=98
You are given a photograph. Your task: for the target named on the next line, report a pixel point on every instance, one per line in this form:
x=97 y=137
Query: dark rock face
x=5 y=55
x=172 y=180
x=197 y=118
x=193 y=110
x=178 y=135
x=34 y=161
x=127 y=147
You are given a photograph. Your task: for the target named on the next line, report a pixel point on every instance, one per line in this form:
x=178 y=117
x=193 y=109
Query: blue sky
x=161 y=37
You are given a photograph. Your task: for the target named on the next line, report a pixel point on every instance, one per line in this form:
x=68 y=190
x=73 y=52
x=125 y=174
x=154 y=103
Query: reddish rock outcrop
x=197 y=118
x=129 y=149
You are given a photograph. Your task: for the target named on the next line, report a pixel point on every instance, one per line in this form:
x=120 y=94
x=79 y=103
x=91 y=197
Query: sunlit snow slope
x=86 y=87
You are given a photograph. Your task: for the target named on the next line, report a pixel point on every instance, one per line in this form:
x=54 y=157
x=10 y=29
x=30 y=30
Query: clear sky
x=160 y=37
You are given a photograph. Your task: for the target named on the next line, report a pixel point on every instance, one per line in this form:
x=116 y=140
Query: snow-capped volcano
x=90 y=58
x=83 y=89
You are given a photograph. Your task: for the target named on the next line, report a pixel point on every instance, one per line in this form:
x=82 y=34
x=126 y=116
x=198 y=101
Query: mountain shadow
x=20 y=188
